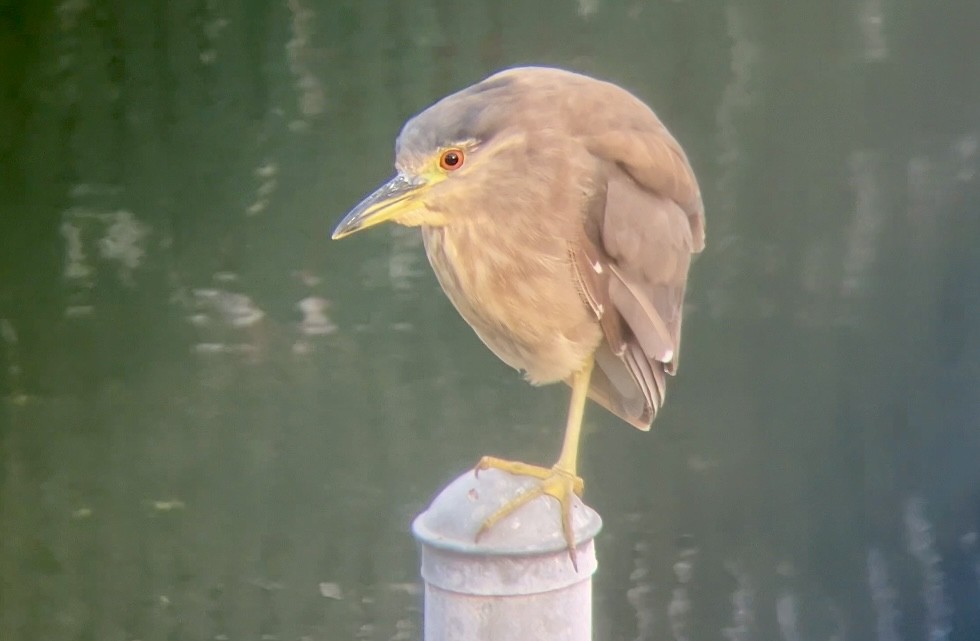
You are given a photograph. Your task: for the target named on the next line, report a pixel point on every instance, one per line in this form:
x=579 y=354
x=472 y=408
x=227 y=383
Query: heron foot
x=556 y=482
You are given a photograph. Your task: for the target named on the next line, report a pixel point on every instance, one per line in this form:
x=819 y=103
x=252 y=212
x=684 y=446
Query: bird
x=560 y=217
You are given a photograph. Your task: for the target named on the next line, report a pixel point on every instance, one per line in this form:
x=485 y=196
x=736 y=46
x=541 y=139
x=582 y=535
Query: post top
x=455 y=516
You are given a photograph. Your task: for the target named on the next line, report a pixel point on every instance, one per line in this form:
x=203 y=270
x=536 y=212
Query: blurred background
x=217 y=424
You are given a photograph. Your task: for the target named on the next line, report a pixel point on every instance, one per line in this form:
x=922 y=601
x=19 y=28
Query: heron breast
x=524 y=305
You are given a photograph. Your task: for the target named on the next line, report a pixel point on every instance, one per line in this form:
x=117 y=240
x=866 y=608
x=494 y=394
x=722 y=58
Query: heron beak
x=392 y=200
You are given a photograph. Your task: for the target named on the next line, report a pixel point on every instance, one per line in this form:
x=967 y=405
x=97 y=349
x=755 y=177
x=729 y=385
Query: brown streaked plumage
x=563 y=234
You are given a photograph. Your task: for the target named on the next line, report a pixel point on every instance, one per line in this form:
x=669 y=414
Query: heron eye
x=451 y=159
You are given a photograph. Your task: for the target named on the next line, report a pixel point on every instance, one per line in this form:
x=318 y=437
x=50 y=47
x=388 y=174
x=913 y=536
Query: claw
x=508 y=508
x=554 y=482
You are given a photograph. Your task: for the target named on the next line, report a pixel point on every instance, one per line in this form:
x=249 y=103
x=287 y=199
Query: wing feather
x=642 y=228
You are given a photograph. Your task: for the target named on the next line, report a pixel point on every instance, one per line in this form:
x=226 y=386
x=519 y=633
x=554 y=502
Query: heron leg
x=559 y=481
x=568 y=458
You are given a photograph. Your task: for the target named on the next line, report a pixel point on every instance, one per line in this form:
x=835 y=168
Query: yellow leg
x=568 y=458
x=559 y=481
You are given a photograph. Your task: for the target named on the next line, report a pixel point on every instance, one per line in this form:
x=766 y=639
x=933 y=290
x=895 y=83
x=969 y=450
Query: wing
x=632 y=262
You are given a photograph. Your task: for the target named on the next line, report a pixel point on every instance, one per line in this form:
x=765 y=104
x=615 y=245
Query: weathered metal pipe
x=518 y=581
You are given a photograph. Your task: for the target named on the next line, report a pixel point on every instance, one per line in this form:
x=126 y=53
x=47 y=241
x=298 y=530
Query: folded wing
x=644 y=223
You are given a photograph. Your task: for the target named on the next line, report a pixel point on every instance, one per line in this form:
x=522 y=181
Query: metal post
x=518 y=581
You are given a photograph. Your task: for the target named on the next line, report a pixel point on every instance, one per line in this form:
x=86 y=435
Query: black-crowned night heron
x=560 y=217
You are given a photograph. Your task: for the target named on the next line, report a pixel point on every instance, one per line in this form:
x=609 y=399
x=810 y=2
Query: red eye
x=451 y=159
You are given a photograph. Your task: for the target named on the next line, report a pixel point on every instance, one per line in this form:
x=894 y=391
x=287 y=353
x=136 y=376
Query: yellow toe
x=555 y=482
